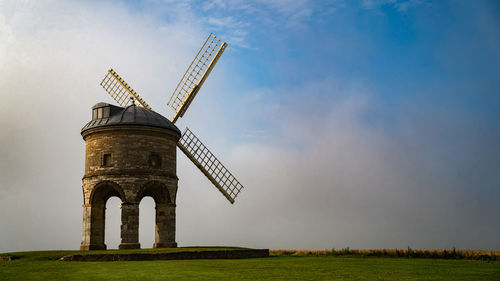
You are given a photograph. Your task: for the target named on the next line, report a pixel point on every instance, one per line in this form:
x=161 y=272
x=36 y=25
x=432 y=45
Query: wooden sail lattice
x=195 y=75
x=120 y=91
x=209 y=165
x=181 y=98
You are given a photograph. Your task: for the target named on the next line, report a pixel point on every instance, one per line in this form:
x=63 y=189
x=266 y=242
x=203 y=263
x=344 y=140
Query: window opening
x=154 y=161
x=106 y=160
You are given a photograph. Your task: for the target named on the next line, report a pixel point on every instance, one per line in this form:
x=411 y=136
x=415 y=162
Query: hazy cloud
x=292 y=14
x=328 y=178
x=50 y=71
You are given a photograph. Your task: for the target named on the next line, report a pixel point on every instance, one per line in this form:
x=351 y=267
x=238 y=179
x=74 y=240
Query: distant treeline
x=405 y=253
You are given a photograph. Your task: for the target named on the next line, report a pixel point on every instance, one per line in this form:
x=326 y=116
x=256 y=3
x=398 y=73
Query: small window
x=106 y=160
x=105 y=112
x=154 y=161
x=99 y=113
x=94 y=114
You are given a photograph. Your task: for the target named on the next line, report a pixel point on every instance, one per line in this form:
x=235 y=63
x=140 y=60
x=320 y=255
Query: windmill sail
x=120 y=91
x=195 y=75
x=209 y=165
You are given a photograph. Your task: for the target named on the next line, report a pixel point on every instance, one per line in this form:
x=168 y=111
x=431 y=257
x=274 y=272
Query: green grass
x=42 y=265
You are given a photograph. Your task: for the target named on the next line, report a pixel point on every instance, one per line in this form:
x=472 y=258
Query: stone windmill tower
x=131 y=153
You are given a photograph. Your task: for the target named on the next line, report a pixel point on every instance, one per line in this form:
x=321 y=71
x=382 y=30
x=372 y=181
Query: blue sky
x=368 y=124
x=434 y=54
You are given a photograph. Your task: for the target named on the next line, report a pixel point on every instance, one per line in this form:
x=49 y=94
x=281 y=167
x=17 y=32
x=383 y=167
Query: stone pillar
x=93 y=227
x=86 y=228
x=165 y=226
x=130 y=226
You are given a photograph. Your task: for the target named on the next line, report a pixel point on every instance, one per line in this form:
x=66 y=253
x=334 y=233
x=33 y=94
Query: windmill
x=181 y=98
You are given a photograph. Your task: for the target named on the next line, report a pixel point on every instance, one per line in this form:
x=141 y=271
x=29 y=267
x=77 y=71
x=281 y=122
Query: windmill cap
x=105 y=115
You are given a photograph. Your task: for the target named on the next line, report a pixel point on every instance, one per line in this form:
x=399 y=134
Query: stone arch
x=100 y=194
x=165 y=213
x=157 y=190
x=103 y=190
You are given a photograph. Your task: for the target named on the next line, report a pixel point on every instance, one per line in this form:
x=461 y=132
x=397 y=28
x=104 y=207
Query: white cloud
x=291 y=14
x=233 y=31
x=400 y=5
x=6 y=37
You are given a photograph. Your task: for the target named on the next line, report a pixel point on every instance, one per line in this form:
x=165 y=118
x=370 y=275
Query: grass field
x=491 y=255
x=43 y=265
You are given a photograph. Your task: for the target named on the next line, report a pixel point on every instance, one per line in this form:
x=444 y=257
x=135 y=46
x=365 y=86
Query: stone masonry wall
x=124 y=161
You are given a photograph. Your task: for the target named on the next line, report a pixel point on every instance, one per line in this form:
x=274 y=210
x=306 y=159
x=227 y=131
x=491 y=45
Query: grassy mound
x=55 y=255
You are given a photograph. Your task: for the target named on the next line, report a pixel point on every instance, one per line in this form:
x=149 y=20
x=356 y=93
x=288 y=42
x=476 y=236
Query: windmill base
x=180 y=255
x=90 y=247
x=124 y=246
x=165 y=245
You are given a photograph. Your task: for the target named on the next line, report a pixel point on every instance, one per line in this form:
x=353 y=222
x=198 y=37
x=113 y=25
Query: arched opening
x=112 y=223
x=147 y=222
x=164 y=214
x=98 y=202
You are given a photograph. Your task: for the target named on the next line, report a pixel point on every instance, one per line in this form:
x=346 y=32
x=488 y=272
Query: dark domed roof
x=104 y=115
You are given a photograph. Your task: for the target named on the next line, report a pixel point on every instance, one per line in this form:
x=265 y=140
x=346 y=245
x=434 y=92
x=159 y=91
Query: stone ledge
x=188 y=255
x=8 y=258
